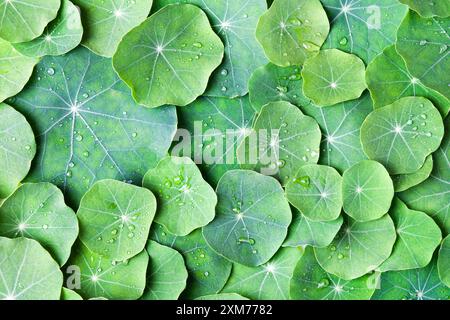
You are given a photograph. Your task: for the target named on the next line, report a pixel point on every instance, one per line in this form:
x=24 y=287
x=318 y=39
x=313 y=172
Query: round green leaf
x=185 y=201
x=106 y=22
x=433 y=195
x=166 y=275
x=402 y=135
x=15 y=70
x=25 y=20
x=115 y=219
x=416 y=284
x=88 y=126
x=103 y=277
x=208 y=272
x=304 y=231
x=269 y=281
x=418 y=236
x=429 y=9
x=169 y=64
x=316 y=191
x=423 y=43
x=360 y=247
x=28 y=272
x=67 y=294
x=223 y=296
x=252 y=218
x=17 y=149
x=207 y=121
x=444 y=262
x=367 y=190
x=363 y=27
x=332 y=77
x=311 y=282
x=388 y=80
x=292 y=31
x=287 y=140
x=38 y=211
x=403 y=182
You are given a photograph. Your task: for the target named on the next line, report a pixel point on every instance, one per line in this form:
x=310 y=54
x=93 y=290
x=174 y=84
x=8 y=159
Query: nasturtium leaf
x=367 y=190
x=208 y=272
x=88 y=126
x=363 y=27
x=415 y=284
x=28 y=272
x=166 y=274
x=304 y=231
x=103 y=277
x=271 y=83
x=418 y=236
x=61 y=35
x=15 y=70
x=17 y=149
x=388 y=80
x=443 y=262
x=423 y=43
x=205 y=123
x=287 y=140
x=106 y=22
x=360 y=247
x=292 y=31
x=311 y=282
x=269 y=281
x=403 y=134
x=67 y=294
x=403 y=182
x=25 y=20
x=115 y=219
x=169 y=63
x=185 y=201
x=37 y=211
x=433 y=195
x=223 y=296
x=252 y=218
x=333 y=76
x=316 y=191
x=429 y=9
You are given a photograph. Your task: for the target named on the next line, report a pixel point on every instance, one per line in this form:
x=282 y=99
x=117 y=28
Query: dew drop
x=50 y=71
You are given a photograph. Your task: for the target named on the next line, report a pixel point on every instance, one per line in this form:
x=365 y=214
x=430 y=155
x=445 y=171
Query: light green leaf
x=223 y=296
x=252 y=218
x=102 y=277
x=88 y=126
x=316 y=191
x=67 y=294
x=37 y=211
x=185 y=201
x=292 y=31
x=332 y=77
x=402 y=135
x=403 y=182
x=423 y=43
x=115 y=219
x=25 y=20
x=166 y=275
x=169 y=64
x=360 y=247
x=311 y=282
x=208 y=272
x=61 y=36
x=17 y=149
x=106 y=22
x=287 y=140
x=418 y=236
x=443 y=263
x=28 y=272
x=388 y=80
x=363 y=27
x=367 y=190
x=269 y=281
x=304 y=231
x=429 y=9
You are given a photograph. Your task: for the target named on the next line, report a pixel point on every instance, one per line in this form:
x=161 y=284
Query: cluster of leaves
x=93 y=91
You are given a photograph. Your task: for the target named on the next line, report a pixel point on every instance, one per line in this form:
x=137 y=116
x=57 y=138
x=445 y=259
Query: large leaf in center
x=87 y=125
